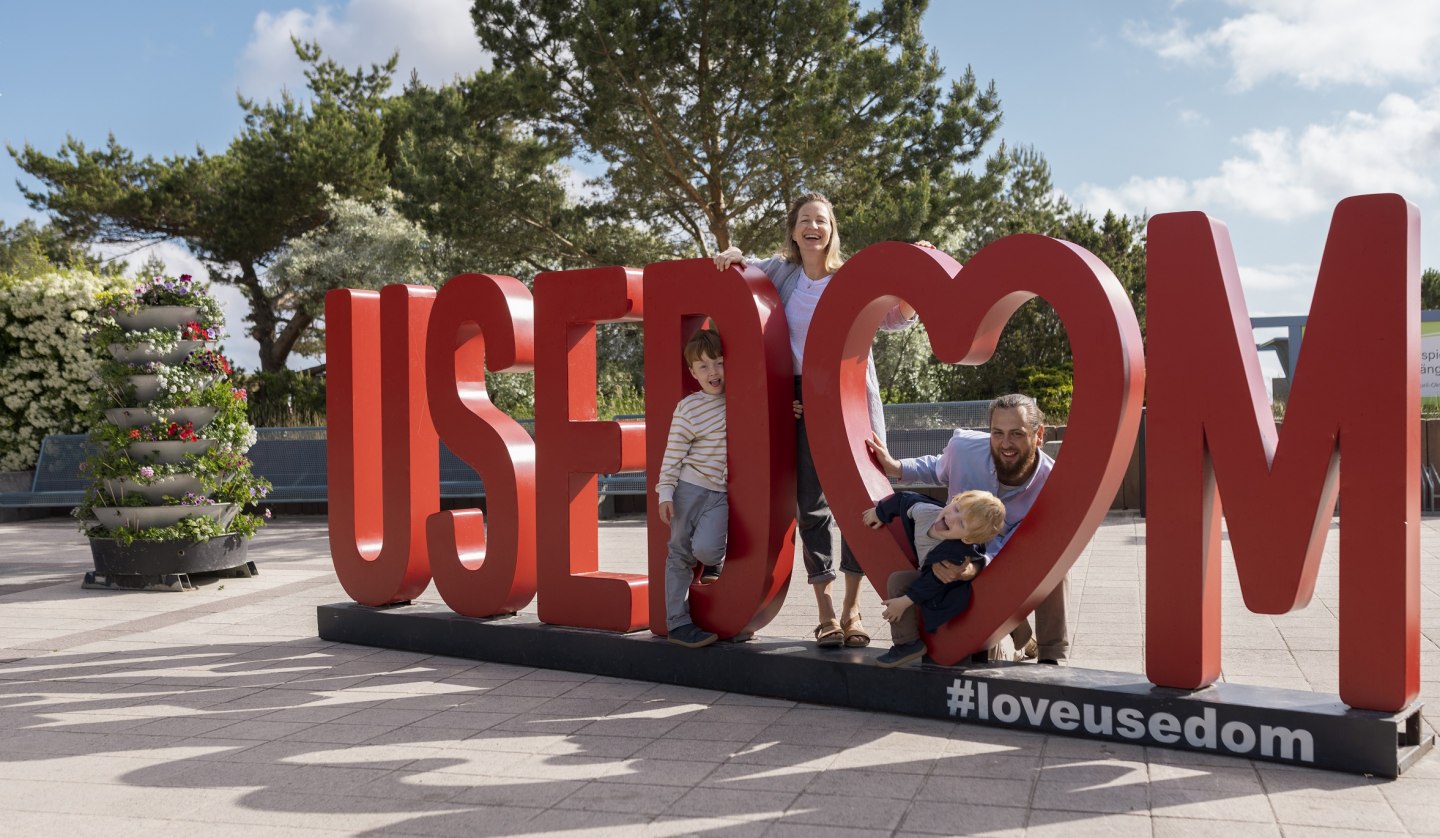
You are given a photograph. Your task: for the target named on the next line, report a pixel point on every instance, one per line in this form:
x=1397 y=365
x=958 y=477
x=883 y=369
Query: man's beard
x=1016 y=474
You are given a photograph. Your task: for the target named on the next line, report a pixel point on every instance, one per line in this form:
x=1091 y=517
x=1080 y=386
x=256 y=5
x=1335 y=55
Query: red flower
x=134 y=433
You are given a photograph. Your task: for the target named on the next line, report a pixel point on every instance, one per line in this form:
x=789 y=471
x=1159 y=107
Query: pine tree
x=712 y=116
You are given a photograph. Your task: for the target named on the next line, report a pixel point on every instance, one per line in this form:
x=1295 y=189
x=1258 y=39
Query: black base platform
x=1287 y=726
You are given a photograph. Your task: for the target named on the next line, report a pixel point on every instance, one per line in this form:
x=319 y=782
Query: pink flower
x=147 y=472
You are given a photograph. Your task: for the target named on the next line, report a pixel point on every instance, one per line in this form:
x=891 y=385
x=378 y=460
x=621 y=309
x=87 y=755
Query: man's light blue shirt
x=966 y=464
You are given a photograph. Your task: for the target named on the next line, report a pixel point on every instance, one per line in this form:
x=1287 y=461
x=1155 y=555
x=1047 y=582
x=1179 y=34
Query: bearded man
x=1007 y=462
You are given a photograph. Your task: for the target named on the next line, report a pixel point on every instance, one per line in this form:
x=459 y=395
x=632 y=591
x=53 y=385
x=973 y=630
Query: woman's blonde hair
x=989 y=512
x=833 y=257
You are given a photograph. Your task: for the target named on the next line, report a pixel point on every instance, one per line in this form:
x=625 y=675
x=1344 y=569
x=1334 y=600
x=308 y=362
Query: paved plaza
x=219 y=712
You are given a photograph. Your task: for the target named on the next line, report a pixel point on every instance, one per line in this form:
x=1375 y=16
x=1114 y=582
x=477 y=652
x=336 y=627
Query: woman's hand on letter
x=727 y=257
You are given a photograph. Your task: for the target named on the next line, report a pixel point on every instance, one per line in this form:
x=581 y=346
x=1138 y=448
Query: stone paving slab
x=220 y=711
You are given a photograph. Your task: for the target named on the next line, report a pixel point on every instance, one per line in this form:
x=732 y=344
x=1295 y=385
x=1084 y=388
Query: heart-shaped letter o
x=964 y=312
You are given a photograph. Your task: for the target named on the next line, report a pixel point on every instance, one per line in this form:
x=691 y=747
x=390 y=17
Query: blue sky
x=1263 y=113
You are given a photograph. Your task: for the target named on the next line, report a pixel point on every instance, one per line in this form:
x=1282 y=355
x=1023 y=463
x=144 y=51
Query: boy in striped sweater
x=693 y=501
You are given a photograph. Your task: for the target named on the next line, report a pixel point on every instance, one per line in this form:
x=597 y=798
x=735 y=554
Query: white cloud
x=1283 y=176
x=1270 y=278
x=1136 y=195
x=435 y=38
x=1312 y=42
x=1192 y=118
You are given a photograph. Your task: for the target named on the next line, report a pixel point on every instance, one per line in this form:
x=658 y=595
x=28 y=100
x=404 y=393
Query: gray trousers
x=697 y=535
x=812 y=515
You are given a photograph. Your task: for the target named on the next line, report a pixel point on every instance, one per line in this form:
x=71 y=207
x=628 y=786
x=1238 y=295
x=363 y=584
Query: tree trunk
x=263 y=319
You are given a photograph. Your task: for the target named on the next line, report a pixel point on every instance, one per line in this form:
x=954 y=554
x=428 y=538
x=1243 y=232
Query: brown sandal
x=828 y=635
x=856 y=635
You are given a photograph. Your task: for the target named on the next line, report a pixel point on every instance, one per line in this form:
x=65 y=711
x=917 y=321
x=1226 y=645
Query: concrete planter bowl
x=136 y=417
x=167 y=452
x=145 y=353
x=147 y=386
x=158 y=317
x=173 y=486
x=145 y=517
x=165 y=565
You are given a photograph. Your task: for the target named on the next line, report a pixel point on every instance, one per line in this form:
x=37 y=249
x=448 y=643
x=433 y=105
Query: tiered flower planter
x=171 y=480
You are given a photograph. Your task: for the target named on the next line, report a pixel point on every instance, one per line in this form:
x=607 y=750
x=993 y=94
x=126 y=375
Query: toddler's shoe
x=901 y=655
x=710 y=574
x=692 y=636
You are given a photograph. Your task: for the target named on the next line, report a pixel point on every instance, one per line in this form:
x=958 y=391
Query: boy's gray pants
x=697 y=534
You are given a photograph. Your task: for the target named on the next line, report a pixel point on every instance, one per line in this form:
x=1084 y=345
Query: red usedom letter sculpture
x=479 y=320
x=1351 y=425
x=964 y=312
x=375 y=353
x=573 y=448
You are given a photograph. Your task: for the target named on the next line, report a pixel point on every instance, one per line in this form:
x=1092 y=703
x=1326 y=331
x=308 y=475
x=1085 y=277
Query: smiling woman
x=812 y=255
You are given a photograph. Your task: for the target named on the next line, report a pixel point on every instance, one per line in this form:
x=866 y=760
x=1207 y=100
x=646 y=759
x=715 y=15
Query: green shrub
x=284 y=399
x=1051 y=387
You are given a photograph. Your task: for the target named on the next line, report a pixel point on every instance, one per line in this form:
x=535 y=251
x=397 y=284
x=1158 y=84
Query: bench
x=911 y=430
x=294 y=459
x=58 y=480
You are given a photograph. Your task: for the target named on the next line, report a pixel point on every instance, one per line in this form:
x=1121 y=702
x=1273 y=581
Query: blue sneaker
x=692 y=636
x=901 y=655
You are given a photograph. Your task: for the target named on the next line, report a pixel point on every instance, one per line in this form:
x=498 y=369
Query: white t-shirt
x=799 y=309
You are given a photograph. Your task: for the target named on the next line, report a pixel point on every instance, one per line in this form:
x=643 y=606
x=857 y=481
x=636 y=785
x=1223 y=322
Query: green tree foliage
x=363 y=244
x=28 y=249
x=492 y=194
x=712 y=116
x=492 y=190
x=1430 y=290
x=235 y=210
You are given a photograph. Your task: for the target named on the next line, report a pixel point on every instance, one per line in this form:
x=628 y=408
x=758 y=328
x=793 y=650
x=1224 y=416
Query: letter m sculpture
x=1211 y=435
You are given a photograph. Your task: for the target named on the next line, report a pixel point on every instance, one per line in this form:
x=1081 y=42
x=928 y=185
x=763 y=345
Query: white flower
x=45 y=364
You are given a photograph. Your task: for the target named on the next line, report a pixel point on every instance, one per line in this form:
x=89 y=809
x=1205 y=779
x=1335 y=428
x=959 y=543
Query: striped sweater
x=695 y=450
